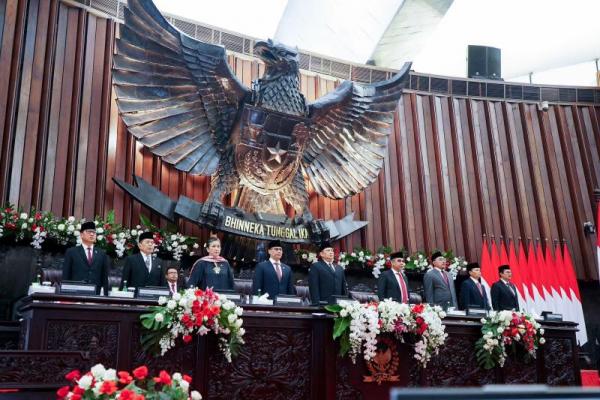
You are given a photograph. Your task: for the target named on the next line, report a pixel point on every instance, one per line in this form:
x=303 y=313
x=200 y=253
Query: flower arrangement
x=102 y=383
x=37 y=227
x=306 y=256
x=418 y=261
x=358 y=325
x=193 y=311
x=455 y=264
x=359 y=255
x=378 y=260
x=507 y=328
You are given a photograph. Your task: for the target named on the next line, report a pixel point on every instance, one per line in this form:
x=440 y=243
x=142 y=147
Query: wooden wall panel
x=458 y=168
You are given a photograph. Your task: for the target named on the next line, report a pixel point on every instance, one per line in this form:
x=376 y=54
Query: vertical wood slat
x=46 y=98
x=457 y=168
x=22 y=110
x=13 y=35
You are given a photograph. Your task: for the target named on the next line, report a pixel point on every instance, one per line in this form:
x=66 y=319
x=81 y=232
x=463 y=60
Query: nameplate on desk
x=37 y=288
x=235 y=297
x=476 y=312
x=152 y=292
x=456 y=312
x=260 y=300
x=344 y=301
x=84 y=289
x=550 y=316
x=121 y=293
x=288 y=299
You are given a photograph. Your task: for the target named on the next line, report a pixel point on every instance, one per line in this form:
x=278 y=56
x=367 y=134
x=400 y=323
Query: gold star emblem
x=276 y=153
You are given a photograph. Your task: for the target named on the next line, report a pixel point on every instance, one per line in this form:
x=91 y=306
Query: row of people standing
x=87 y=263
x=439 y=288
x=325 y=279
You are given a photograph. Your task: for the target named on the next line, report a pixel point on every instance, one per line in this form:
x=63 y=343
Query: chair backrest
x=302 y=292
x=52 y=275
x=415 y=298
x=363 y=297
x=243 y=286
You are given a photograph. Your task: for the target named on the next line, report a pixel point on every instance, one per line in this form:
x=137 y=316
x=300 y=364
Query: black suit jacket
x=265 y=279
x=136 y=273
x=388 y=287
x=180 y=284
x=324 y=283
x=503 y=298
x=470 y=297
x=76 y=267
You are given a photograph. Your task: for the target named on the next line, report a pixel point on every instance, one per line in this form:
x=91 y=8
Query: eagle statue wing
x=176 y=94
x=349 y=135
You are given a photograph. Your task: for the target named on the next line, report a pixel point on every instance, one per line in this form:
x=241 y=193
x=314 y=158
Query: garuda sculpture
x=178 y=97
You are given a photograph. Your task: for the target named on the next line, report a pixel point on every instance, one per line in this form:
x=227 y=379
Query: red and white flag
x=569 y=308
x=575 y=296
x=486 y=264
x=515 y=268
x=552 y=281
x=487 y=275
x=536 y=284
x=526 y=279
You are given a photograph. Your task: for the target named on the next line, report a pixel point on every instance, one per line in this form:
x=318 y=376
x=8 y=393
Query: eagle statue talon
x=212 y=211
x=319 y=231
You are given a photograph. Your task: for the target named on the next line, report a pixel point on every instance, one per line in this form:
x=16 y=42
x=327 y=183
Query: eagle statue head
x=278 y=58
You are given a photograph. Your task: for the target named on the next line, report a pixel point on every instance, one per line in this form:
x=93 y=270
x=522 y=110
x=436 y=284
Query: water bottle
x=125 y=286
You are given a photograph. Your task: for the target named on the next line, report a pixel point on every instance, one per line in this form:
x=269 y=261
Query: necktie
x=445 y=278
x=172 y=287
x=512 y=290
x=480 y=288
x=332 y=267
x=89 y=255
x=147 y=261
x=403 y=287
x=278 y=271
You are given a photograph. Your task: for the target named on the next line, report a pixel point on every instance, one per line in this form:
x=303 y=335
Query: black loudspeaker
x=484 y=62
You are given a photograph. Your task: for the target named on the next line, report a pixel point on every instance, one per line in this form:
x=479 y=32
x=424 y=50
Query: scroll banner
x=260 y=226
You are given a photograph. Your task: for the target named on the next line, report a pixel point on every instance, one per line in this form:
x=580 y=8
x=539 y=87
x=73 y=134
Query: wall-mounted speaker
x=484 y=62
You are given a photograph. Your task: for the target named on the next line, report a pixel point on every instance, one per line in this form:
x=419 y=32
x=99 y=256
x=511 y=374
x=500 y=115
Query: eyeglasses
x=90 y=232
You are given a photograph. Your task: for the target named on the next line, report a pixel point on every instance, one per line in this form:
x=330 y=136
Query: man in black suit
x=472 y=291
x=172 y=280
x=143 y=268
x=326 y=279
x=85 y=262
x=393 y=283
x=272 y=276
x=504 y=293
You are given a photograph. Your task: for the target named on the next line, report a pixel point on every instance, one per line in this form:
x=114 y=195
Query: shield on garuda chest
x=270 y=148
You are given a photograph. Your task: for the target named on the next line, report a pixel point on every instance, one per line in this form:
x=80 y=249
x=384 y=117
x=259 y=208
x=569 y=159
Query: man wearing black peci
x=272 y=276
x=472 y=291
x=85 y=262
x=438 y=284
x=325 y=278
x=393 y=283
x=144 y=268
x=504 y=293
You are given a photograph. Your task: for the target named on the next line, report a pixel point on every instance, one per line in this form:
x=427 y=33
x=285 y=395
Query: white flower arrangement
x=358 y=325
x=507 y=328
x=41 y=226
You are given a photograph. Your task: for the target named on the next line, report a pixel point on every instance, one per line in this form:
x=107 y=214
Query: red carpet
x=590 y=378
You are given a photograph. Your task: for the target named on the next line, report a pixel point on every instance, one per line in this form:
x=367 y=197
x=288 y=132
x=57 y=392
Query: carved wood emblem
x=384 y=366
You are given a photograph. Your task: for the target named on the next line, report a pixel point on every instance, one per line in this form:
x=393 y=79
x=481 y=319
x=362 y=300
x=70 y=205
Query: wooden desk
x=289 y=351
